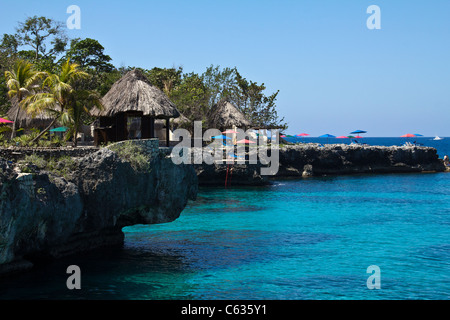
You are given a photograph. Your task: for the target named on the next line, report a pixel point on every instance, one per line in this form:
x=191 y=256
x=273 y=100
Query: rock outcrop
x=233 y=174
x=309 y=160
x=46 y=216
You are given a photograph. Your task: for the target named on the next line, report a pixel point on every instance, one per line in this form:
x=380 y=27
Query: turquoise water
x=295 y=239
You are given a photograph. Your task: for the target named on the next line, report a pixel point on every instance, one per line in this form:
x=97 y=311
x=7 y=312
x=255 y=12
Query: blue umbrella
x=358 y=131
x=221 y=137
x=418 y=135
x=327 y=136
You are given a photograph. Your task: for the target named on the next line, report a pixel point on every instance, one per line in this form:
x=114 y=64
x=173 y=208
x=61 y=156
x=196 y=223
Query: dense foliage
x=42 y=42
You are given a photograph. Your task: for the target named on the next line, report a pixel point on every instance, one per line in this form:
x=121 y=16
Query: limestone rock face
x=298 y=160
x=238 y=174
x=42 y=215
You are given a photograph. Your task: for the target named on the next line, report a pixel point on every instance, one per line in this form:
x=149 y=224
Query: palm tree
x=84 y=101
x=58 y=93
x=22 y=80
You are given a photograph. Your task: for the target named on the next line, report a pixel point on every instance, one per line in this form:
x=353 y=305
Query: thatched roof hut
x=225 y=115
x=130 y=108
x=134 y=92
x=27 y=120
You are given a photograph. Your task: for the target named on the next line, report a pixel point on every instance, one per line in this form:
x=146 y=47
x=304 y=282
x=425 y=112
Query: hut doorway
x=134 y=127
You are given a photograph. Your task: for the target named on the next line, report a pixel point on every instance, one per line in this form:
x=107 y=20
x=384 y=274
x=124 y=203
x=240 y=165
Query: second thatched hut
x=27 y=120
x=224 y=115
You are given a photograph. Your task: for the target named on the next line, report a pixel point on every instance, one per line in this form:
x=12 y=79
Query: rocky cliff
x=233 y=174
x=308 y=160
x=43 y=215
x=305 y=160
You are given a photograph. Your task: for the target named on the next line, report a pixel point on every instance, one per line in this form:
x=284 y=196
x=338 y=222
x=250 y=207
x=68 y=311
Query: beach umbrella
x=302 y=135
x=221 y=137
x=5 y=121
x=408 y=135
x=327 y=135
x=229 y=131
x=358 y=131
x=245 y=141
x=342 y=137
x=418 y=135
x=60 y=129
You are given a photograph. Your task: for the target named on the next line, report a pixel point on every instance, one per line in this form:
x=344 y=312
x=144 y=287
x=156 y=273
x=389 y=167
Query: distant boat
x=438 y=138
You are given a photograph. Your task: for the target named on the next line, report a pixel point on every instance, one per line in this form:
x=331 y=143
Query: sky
x=335 y=75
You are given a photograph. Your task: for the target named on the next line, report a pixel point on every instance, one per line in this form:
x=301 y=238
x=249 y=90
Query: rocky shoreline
x=45 y=216
x=308 y=160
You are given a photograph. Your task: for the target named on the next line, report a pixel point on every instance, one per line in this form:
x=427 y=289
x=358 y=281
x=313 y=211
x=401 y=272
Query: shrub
x=132 y=153
x=36 y=160
x=32 y=164
x=62 y=166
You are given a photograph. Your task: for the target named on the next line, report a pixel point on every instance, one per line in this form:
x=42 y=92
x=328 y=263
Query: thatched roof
x=133 y=92
x=27 y=120
x=174 y=123
x=225 y=115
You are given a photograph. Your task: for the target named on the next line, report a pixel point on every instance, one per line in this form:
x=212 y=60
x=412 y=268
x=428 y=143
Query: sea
x=355 y=237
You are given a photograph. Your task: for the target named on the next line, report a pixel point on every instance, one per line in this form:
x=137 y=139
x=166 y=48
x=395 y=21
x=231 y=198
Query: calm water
x=295 y=239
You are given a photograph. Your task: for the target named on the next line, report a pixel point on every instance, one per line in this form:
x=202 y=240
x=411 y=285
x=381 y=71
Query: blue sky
x=334 y=74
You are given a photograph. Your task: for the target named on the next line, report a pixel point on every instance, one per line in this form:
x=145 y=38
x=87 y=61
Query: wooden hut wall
x=147 y=127
x=121 y=127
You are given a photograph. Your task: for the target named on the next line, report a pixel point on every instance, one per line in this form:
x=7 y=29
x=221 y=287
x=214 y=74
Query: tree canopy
x=43 y=42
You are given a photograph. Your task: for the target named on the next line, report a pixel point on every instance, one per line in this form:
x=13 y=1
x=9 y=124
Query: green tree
x=248 y=96
x=83 y=101
x=89 y=54
x=191 y=97
x=258 y=108
x=165 y=79
x=22 y=82
x=220 y=83
x=38 y=33
x=58 y=94
x=8 y=55
x=107 y=79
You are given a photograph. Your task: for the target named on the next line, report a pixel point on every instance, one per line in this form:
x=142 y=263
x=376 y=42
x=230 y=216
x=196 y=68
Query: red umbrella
x=342 y=137
x=5 y=121
x=358 y=137
x=245 y=141
x=302 y=135
x=408 y=135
